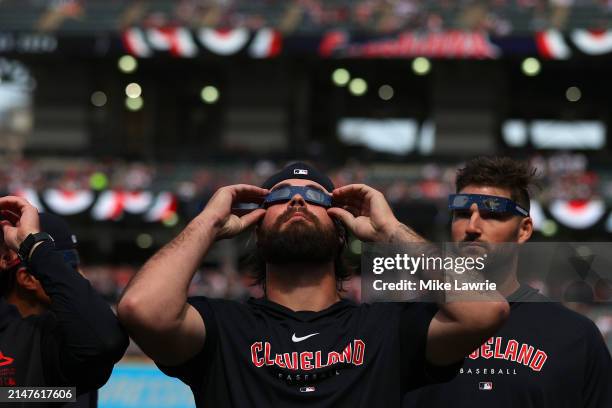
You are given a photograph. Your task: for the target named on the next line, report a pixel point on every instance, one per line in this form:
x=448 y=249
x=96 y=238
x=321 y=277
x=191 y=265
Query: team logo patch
x=302 y=172
x=485 y=386
x=7 y=374
x=5 y=360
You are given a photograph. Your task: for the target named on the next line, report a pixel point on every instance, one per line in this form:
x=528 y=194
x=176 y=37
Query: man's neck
x=302 y=287
x=25 y=307
x=507 y=281
x=508 y=286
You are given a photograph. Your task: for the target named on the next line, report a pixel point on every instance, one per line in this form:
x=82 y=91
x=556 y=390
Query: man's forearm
x=468 y=318
x=90 y=340
x=158 y=292
x=417 y=246
x=402 y=234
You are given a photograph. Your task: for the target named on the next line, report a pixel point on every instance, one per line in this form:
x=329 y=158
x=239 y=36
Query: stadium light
x=573 y=94
x=341 y=77
x=358 y=86
x=134 y=104
x=171 y=220
x=98 y=181
x=98 y=99
x=549 y=228
x=531 y=66
x=144 y=240
x=421 y=66
x=127 y=64
x=385 y=92
x=209 y=94
x=133 y=90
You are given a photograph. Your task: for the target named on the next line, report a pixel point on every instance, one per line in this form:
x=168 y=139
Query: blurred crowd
x=498 y=17
x=561 y=176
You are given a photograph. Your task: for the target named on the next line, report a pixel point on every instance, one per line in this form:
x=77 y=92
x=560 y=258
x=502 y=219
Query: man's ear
x=525 y=230
x=25 y=279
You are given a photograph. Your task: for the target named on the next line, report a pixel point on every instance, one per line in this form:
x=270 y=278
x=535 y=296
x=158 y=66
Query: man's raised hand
x=364 y=211
x=219 y=209
x=19 y=219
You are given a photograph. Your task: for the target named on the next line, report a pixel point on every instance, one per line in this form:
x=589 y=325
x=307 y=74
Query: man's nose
x=297 y=201
x=473 y=226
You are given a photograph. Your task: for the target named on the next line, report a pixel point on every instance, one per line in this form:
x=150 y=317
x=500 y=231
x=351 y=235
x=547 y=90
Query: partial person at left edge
x=58 y=331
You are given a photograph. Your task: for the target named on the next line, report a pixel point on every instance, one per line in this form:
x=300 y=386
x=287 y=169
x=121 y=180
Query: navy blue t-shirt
x=545 y=355
x=261 y=354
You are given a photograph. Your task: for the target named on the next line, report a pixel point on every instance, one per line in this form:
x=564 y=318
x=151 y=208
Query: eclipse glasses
x=494 y=204
x=310 y=194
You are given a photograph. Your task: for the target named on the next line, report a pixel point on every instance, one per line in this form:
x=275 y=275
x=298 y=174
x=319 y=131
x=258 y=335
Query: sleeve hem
x=439 y=374
x=194 y=371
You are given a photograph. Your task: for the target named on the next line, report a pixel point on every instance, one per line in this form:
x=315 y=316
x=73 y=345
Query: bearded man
x=301 y=344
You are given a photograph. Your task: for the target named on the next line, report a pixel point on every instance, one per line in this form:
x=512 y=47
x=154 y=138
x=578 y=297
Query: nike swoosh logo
x=298 y=339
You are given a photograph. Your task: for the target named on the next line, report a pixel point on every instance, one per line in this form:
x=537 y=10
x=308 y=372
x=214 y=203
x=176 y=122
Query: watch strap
x=26 y=246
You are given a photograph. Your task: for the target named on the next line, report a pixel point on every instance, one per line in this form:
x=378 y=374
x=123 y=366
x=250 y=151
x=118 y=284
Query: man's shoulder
x=558 y=316
x=201 y=302
x=262 y=306
x=408 y=312
x=43 y=321
x=578 y=320
x=228 y=307
x=403 y=306
x=28 y=331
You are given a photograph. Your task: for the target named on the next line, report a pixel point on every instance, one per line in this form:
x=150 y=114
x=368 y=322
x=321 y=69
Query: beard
x=499 y=257
x=303 y=241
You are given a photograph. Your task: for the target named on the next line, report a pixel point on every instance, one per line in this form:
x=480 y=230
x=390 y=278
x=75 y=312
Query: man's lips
x=473 y=245
x=296 y=215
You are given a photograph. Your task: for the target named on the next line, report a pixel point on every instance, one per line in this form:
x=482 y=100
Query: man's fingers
x=344 y=216
x=350 y=201
x=352 y=190
x=5 y=225
x=247 y=191
x=253 y=217
x=9 y=216
x=8 y=234
x=353 y=210
x=14 y=204
x=20 y=207
x=248 y=187
x=227 y=197
x=353 y=194
x=28 y=221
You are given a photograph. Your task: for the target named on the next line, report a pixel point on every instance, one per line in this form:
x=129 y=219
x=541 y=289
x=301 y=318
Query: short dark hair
x=502 y=172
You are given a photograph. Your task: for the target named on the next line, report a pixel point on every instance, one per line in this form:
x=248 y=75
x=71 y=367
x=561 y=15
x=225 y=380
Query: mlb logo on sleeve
x=485 y=386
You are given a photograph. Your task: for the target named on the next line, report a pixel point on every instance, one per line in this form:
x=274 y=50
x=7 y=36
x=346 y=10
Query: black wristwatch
x=26 y=246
